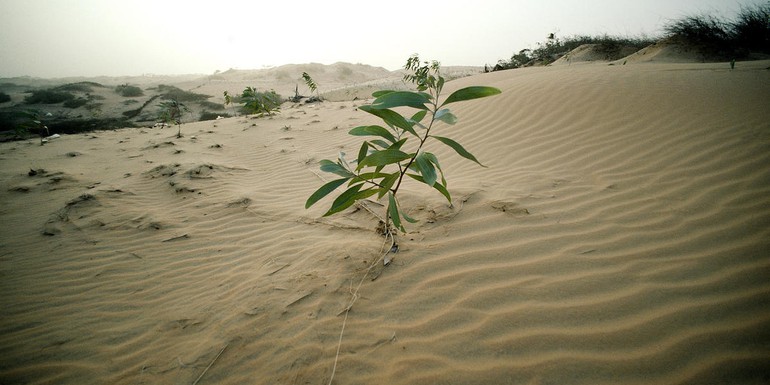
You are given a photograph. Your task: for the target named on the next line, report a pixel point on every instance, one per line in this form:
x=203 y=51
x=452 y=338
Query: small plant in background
x=30 y=121
x=313 y=88
x=309 y=82
x=256 y=102
x=228 y=100
x=297 y=97
x=382 y=163
x=171 y=113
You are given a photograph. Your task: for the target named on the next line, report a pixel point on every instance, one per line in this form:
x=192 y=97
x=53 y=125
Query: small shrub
x=4 y=98
x=381 y=164
x=128 y=91
x=256 y=102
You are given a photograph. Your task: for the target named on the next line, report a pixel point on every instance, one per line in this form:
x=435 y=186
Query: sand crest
x=621 y=234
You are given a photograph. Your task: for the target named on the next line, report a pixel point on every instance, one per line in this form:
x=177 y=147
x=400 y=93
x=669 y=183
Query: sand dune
x=621 y=234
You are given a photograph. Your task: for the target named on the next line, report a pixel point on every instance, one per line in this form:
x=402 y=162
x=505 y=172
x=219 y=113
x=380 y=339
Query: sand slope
x=621 y=234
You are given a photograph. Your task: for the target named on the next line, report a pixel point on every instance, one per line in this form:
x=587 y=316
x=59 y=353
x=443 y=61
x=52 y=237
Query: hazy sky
x=58 y=38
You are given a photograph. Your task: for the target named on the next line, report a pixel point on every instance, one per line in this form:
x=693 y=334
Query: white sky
x=58 y=38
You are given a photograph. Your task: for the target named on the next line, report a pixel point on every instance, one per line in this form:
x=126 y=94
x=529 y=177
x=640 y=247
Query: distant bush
x=174 y=93
x=48 y=97
x=129 y=91
x=716 y=38
x=4 y=98
x=75 y=103
x=78 y=87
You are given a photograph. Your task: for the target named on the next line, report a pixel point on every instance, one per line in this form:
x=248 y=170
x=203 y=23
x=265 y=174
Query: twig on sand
x=212 y=363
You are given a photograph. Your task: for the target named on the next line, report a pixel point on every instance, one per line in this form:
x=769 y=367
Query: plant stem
x=394 y=190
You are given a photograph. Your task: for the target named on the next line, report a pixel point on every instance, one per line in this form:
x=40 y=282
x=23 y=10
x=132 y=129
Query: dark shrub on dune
x=719 y=39
x=129 y=91
x=48 y=97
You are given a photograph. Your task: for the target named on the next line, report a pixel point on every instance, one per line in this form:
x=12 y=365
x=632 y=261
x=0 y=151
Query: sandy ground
x=620 y=235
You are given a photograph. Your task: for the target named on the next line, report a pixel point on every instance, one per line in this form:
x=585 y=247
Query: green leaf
x=379 y=93
x=438 y=186
x=457 y=147
x=380 y=143
x=348 y=198
x=419 y=116
x=387 y=183
x=371 y=175
x=391 y=117
x=426 y=169
x=400 y=99
x=324 y=191
x=469 y=93
x=445 y=116
x=393 y=212
x=335 y=168
x=433 y=159
x=381 y=158
x=373 y=131
x=363 y=151
x=408 y=218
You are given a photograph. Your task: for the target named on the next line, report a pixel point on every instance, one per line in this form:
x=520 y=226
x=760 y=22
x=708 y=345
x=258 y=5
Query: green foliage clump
x=48 y=97
x=256 y=102
x=4 y=98
x=382 y=163
x=128 y=91
x=717 y=38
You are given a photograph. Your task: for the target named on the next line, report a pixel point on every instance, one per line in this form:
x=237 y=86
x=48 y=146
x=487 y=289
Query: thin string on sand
x=346 y=310
x=212 y=363
x=355 y=297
